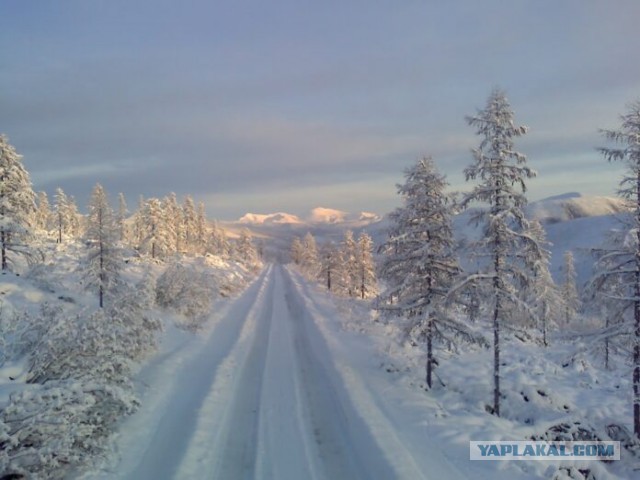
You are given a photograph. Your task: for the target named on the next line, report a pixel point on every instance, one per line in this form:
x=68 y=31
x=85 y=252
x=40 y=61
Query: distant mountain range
x=573 y=222
x=317 y=216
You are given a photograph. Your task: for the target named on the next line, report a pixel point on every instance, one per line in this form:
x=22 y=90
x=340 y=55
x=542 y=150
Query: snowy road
x=266 y=396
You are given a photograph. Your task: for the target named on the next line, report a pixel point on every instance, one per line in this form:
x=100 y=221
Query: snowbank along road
x=267 y=396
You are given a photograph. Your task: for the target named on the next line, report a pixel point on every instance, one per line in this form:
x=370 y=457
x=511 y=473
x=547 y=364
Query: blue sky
x=287 y=105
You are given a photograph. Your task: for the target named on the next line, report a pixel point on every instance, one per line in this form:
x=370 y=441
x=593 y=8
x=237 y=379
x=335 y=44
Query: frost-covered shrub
x=21 y=332
x=48 y=428
x=100 y=344
x=84 y=345
x=137 y=328
x=185 y=290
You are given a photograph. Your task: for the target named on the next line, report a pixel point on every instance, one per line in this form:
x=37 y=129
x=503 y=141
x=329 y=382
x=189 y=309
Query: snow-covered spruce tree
x=201 y=229
x=245 y=251
x=544 y=296
x=569 y=288
x=157 y=239
x=121 y=217
x=347 y=274
x=17 y=205
x=189 y=220
x=366 y=266
x=217 y=243
x=173 y=222
x=74 y=218
x=139 y=226
x=330 y=260
x=103 y=260
x=506 y=247
x=309 y=261
x=617 y=273
x=419 y=263
x=43 y=212
x=295 y=251
x=61 y=211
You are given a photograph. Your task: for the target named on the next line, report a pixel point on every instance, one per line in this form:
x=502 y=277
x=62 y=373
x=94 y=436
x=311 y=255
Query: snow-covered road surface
x=269 y=395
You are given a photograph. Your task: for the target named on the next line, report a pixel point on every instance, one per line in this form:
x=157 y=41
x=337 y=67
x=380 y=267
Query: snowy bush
x=138 y=328
x=84 y=345
x=186 y=290
x=48 y=428
x=16 y=334
x=101 y=344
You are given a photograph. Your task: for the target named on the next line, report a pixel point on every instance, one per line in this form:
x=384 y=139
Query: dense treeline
x=79 y=356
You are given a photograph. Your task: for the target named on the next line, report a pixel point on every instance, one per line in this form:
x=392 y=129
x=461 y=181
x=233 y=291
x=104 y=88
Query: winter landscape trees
x=617 y=278
x=419 y=261
x=17 y=204
x=104 y=260
x=71 y=358
x=439 y=290
x=347 y=269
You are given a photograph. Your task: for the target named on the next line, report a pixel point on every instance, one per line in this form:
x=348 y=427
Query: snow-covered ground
x=288 y=382
x=276 y=389
x=58 y=350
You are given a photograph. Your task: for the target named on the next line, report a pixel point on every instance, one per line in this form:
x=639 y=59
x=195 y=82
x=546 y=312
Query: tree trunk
x=497 y=285
x=636 y=311
x=544 y=325
x=3 y=240
x=636 y=356
x=429 y=352
x=496 y=360
x=102 y=276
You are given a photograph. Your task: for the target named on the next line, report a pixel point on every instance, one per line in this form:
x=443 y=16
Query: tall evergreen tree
x=139 y=225
x=201 y=228
x=348 y=272
x=330 y=259
x=173 y=222
x=61 y=213
x=158 y=239
x=218 y=243
x=544 y=296
x=366 y=266
x=618 y=269
x=507 y=248
x=245 y=249
x=189 y=223
x=121 y=217
x=17 y=204
x=296 y=250
x=419 y=260
x=103 y=262
x=73 y=217
x=569 y=288
x=309 y=260
x=43 y=212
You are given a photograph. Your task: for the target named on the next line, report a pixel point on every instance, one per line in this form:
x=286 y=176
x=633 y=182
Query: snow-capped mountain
x=330 y=215
x=327 y=215
x=317 y=216
x=269 y=219
x=570 y=206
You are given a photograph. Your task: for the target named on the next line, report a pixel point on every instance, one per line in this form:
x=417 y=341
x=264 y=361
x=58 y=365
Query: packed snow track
x=263 y=398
